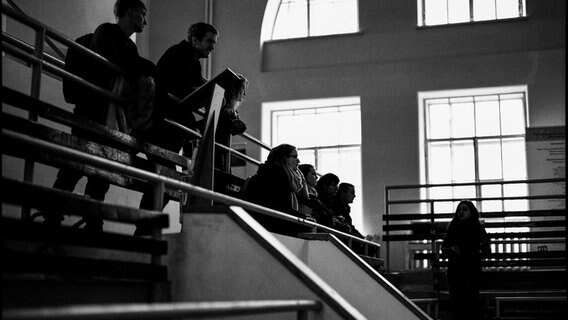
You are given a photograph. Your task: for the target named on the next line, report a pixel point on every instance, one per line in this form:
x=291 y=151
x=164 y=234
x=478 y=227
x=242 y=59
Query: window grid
x=339 y=17
x=331 y=144
x=427 y=13
x=494 y=190
x=476 y=142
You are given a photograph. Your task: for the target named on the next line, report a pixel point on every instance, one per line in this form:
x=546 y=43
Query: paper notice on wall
x=546 y=158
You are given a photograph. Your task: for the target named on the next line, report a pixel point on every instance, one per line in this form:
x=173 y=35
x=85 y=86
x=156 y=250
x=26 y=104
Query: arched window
x=285 y=19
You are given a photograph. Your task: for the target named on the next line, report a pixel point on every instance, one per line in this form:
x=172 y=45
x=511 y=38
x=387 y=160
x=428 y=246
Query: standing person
x=464 y=244
x=179 y=70
x=342 y=210
x=112 y=41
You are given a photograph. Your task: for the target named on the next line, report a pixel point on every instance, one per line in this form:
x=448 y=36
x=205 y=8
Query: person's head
x=202 y=37
x=309 y=173
x=327 y=185
x=130 y=15
x=284 y=155
x=236 y=92
x=346 y=192
x=466 y=211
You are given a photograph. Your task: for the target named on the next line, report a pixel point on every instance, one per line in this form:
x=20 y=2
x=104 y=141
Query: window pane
x=483 y=10
x=487 y=118
x=507 y=9
x=439 y=117
x=491 y=191
x=512 y=117
x=514 y=159
x=349 y=123
x=292 y=20
x=463 y=158
x=462 y=120
x=516 y=190
x=307 y=156
x=440 y=163
x=463 y=193
x=436 y=12
x=442 y=193
x=489 y=159
x=458 y=11
x=333 y=17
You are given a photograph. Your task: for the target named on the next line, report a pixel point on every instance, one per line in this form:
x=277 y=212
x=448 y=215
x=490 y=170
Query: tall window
x=327 y=133
x=437 y=12
x=476 y=136
x=285 y=19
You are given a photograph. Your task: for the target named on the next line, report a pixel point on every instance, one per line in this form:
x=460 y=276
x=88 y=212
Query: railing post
x=37 y=70
x=387 y=209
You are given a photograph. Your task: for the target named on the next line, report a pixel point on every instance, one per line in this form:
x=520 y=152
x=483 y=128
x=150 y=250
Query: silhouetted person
x=112 y=41
x=342 y=210
x=464 y=244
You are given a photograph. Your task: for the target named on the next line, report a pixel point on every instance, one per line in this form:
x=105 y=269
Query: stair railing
x=167 y=310
x=43 y=63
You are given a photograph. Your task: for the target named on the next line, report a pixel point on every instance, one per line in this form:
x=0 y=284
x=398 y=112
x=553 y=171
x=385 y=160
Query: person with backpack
x=112 y=41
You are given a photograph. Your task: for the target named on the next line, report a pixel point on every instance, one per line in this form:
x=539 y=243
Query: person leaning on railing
x=112 y=41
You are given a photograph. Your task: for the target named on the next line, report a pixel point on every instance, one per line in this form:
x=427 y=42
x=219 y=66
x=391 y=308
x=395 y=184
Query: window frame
x=422 y=23
x=268 y=129
x=475 y=139
x=271 y=17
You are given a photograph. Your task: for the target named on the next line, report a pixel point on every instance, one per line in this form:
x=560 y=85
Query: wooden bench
x=50 y=259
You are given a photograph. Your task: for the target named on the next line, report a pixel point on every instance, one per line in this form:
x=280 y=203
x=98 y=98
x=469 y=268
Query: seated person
x=230 y=124
x=306 y=204
x=277 y=181
x=341 y=208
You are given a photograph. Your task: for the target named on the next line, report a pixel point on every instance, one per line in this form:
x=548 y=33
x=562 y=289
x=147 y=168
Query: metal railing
x=425 y=209
x=166 y=310
x=21 y=50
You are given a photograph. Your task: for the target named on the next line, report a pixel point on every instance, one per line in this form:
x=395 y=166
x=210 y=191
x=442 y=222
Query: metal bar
x=539 y=197
x=163 y=310
x=419 y=186
x=34 y=24
x=60 y=72
x=29 y=142
x=30 y=49
x=49 y=42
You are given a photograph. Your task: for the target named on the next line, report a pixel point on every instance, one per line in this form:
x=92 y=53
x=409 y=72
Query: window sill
x=349 y=34
x=473 y=23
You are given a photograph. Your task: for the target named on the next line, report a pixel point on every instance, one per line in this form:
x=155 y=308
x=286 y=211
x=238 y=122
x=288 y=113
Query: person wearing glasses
x=276 y=184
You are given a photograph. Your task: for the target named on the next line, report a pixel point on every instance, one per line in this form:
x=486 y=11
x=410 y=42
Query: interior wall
x=387 y=63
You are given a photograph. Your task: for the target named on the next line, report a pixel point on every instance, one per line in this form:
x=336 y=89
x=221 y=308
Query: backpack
x=81 y=66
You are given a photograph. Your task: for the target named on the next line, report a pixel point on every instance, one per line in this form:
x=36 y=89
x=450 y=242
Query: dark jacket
x=270 y=188
x=110 y=42
x=472 y=241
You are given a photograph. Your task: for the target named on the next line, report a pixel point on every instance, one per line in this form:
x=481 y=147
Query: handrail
x=51 y=44
x=421 y=186
x=432 y=215
x=34 y=144
x=46 y=66
x=55 y=66
x=164 y=310
x=30 y=49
